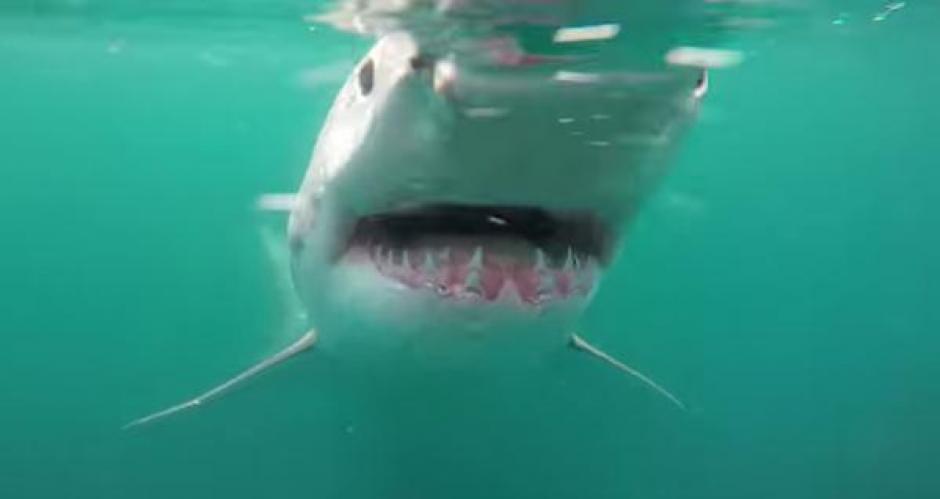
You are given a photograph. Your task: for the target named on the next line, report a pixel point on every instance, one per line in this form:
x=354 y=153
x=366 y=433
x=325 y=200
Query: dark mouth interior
x=556 y=234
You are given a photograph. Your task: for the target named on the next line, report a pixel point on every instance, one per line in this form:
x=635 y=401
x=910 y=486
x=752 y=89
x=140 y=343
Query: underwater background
x=783 y=280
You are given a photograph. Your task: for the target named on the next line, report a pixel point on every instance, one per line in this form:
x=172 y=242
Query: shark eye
x=366 y=77
x=701 y=85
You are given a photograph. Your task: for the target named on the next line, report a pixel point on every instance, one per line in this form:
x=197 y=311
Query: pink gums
x=453 y=274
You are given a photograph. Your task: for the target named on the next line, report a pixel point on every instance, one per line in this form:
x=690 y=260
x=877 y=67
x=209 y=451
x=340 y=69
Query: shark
x=470 y=209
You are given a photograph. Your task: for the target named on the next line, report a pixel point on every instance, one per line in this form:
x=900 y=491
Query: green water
x=783 y=281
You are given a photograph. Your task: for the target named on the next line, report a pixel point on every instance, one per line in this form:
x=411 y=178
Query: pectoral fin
x=580 y=344
x=306 y=341
x=283 y=202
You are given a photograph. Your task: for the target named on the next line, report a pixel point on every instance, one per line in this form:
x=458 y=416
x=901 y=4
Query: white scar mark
x=705 y=58
x=586 y=33
x=306 y=341
x=580 y=344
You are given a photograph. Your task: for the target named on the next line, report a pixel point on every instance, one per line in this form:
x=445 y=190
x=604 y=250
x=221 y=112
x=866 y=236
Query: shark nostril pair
x=443 y=72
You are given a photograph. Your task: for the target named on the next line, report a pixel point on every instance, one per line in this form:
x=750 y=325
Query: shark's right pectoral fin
x=305 y=342
x=580 y=344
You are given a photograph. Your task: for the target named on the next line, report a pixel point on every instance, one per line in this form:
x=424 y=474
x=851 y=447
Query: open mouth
x=484 y=253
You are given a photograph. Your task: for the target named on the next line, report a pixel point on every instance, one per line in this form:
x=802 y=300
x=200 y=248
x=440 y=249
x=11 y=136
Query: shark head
x=444 y=192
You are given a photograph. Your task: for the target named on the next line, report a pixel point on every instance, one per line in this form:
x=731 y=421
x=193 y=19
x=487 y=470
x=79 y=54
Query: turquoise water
x=782 y=281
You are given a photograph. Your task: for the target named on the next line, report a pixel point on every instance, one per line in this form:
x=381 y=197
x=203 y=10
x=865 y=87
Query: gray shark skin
x=469 y=212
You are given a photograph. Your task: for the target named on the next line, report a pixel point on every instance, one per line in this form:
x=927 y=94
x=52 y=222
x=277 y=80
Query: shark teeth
x=476 y=261
x=546 y=279
x=474 y=274
x=428 y=267
x=473 y=283
x=540 y=260
x=569 y=262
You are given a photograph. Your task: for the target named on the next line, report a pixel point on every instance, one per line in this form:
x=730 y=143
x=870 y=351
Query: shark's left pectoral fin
x=306 y=341
x=276 y=202
x=580 y=344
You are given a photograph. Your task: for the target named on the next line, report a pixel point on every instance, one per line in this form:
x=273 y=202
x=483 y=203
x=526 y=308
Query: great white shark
x=468 y=211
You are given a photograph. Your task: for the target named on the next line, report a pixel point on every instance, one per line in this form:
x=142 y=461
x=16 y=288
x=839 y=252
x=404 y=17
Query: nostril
x=701 y=85
x=419 y=62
